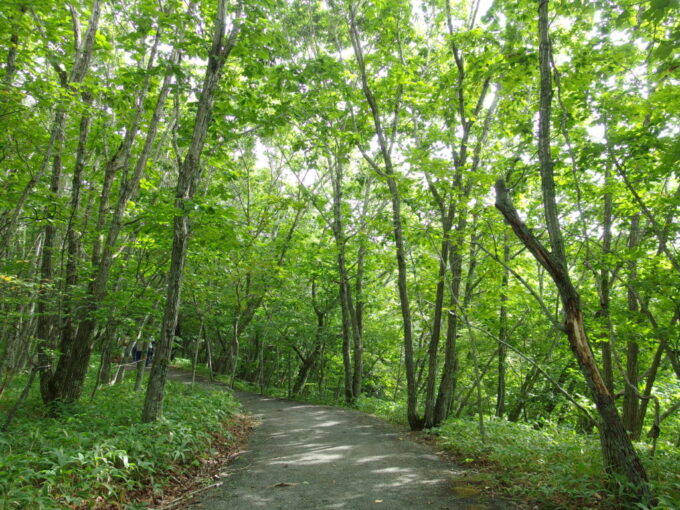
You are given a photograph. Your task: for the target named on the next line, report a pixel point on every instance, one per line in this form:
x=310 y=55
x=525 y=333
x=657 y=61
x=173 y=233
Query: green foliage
x=97 y=451
x=555 y=466
x=393 y=412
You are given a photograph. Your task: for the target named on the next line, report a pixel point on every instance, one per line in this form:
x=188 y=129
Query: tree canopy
x=467 y=206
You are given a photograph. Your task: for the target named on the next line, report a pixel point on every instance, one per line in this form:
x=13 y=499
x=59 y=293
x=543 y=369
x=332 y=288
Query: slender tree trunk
x=631 y=403
x=107 y=344
x=21 y=338
x=604 y=284
x=415 y=422
x=344 y=287
x=222 y=45
x=357 y=311
x=503 y=329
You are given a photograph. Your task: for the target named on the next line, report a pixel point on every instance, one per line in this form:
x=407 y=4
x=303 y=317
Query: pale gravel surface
x=305 y=456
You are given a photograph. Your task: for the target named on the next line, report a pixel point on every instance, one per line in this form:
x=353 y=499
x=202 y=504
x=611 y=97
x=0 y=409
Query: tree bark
x=222 y=44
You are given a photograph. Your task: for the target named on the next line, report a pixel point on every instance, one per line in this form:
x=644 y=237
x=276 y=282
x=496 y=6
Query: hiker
x=136 y=353
x=149 y=353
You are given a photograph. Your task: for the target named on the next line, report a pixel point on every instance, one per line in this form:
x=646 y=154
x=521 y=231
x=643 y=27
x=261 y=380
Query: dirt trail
x=316 y=457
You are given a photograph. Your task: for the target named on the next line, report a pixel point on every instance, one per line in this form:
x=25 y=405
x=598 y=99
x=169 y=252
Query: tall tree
x=223 y=42
x=618 y=452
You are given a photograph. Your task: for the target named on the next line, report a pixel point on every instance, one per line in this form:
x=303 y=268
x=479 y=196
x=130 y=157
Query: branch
x=535 y=364
x=543 y=256
x=299 y=353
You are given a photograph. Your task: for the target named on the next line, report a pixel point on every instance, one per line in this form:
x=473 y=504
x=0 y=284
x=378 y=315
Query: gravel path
x=316 y=457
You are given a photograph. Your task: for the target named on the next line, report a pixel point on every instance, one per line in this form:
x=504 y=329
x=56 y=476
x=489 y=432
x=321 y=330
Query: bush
x=393 y=412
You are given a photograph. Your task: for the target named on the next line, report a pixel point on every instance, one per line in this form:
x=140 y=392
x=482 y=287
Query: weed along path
x=315 y=457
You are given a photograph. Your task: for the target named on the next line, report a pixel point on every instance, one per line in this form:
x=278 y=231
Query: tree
x=223 y=42
x=619 y=455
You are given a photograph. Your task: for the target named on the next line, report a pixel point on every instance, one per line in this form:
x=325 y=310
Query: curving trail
x=315 y=457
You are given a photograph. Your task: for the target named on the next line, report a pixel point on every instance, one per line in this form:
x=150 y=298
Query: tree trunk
x=415 y=422
x=46 y=318
x=604 y=288
x=65 y=384
x=503 y=329
x=620 y=458
x=186 y=185
x=351 y=335
x=631 y=403
x=447 y=384
x=433 y=348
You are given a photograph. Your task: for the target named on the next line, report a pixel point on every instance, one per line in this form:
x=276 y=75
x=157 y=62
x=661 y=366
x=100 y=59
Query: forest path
x=305 y=456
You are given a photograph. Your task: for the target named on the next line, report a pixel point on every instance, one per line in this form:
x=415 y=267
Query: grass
x=98 y=455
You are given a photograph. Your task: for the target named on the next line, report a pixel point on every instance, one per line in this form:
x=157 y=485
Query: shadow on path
x=315 y=457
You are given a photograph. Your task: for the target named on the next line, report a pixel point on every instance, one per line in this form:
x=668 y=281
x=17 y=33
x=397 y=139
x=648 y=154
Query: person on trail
x=136 y=353
x=149 y=353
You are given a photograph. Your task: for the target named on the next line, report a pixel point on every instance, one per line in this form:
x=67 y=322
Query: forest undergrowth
x=97 y=455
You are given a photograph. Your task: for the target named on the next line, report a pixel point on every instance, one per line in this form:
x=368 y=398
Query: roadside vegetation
x=96 y=454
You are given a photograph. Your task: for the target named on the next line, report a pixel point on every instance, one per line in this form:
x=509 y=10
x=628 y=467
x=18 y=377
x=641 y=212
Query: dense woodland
x=470 y=207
